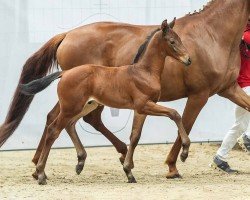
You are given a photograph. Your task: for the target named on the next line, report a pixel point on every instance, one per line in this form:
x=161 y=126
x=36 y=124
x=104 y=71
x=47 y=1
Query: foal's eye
x=172 y=41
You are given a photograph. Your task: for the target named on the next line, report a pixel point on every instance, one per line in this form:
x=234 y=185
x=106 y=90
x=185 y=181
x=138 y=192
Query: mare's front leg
x=192 y=109
x=134 y=138
x=94 y=119
x=237 y=95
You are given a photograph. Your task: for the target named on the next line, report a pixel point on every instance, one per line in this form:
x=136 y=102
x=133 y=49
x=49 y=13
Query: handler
x=241 y=125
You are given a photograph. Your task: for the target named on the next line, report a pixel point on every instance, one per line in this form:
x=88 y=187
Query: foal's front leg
x=154 y=109
x=134 y=138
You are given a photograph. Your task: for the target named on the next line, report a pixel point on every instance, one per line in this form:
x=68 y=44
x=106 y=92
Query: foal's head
x=174 y=44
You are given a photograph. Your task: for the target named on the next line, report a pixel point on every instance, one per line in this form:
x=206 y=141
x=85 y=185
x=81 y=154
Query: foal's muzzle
x=186 y=60
x=189 y=62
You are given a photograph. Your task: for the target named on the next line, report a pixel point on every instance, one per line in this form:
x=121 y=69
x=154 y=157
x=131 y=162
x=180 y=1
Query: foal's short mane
x=143 y=47
x=203 y=9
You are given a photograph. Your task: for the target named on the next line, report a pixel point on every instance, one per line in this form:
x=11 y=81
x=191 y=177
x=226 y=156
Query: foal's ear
x=165 y=26
x=171 y=24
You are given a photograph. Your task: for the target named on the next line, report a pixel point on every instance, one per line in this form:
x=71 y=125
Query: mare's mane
x=143 y=47
x=205 y=7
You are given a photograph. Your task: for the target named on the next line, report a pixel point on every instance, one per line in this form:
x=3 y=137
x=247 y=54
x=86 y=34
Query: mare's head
x=174 y=45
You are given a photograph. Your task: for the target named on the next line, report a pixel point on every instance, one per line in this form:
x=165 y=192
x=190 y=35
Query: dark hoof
x=183 y=156
x=173 y=176
x=42 y=182
x=122 y=159
x=79 y=168
x=35 y=176
x=132 y=180
x=42 y=179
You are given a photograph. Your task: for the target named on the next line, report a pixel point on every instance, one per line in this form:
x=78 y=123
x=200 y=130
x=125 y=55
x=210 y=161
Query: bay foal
x=83 y=88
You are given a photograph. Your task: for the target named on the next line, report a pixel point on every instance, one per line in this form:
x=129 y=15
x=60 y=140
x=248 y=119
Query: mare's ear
x=171 y=24
x=165 y=26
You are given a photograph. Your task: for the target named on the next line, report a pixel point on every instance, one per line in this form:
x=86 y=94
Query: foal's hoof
x=35 y=175
x=131 y=180
x=42 y=179
x=122 y=159
x=173 y=175
x=184 y=156
x=79 y=168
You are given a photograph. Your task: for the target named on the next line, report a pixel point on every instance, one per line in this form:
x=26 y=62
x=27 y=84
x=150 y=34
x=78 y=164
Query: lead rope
x=244 y=44
x=117 y=131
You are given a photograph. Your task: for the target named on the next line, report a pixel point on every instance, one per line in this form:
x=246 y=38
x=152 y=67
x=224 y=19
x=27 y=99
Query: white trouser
x=241 y=125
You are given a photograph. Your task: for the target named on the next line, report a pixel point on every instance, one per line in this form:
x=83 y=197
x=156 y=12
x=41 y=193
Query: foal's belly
x=111 y=101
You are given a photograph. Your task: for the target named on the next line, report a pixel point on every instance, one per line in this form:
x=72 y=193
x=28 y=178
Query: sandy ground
x=103 y=177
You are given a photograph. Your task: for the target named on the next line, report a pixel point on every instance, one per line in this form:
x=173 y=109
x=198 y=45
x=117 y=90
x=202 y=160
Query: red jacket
x=244 y=76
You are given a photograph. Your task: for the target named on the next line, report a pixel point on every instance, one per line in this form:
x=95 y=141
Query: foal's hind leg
x=94 y=119
x=81 y=153
x=53 y=132
x=50 y=118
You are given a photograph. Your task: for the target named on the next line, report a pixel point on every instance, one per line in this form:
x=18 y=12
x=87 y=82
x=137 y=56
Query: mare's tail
x=37 y=66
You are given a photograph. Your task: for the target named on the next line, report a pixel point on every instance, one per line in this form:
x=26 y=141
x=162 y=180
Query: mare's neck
x=223 y=20
x=154 y=56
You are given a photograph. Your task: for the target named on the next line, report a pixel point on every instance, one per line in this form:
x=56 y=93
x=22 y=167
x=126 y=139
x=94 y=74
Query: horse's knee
x=175 y=115
x=50 y=118
x=52 y=133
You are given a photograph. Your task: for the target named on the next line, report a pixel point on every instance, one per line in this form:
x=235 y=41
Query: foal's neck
x=154 y=57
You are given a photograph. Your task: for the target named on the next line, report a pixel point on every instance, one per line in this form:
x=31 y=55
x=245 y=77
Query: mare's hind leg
x=134 y=138
x=81 y=153
x=94 y=119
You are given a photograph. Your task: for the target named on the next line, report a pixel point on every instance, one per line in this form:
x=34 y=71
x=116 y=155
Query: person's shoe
x=244 y=142
x=222 y=165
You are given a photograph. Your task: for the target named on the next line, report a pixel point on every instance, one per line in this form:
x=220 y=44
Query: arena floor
x=103 y=177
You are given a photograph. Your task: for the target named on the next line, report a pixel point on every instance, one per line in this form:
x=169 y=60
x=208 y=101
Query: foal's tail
x=38 y=85
x=37 y=66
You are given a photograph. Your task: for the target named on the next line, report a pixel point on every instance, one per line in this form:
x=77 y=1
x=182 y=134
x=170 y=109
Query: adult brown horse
x=136 y=86
x=212 y=37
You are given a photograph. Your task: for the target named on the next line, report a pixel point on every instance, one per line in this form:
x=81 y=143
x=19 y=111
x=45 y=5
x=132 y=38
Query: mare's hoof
x=132 y=180
x=79 y=168
x=173 y=175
